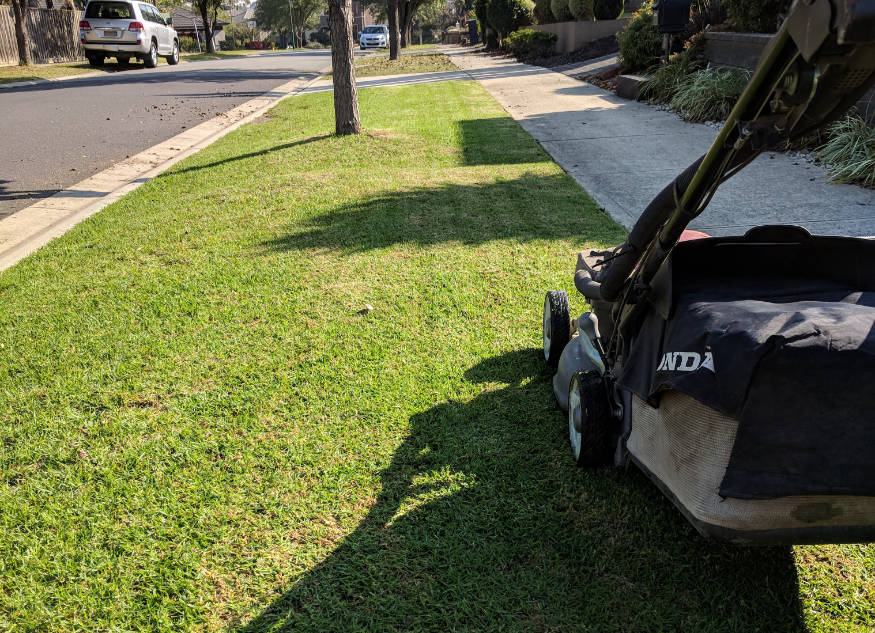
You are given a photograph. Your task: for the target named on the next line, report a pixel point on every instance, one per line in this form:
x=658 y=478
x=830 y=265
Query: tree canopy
x=273 y=15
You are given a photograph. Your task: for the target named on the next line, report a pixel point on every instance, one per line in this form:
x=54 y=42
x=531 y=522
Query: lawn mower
x=738 y=373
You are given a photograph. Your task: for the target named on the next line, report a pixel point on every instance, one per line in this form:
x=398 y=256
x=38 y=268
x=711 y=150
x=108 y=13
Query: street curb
x=27 y=230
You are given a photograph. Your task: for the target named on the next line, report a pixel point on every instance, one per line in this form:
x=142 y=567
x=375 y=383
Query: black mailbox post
x=671 y=16
x=473 y=36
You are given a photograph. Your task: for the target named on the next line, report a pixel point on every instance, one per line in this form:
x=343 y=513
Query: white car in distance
x=110 y=28
x=374 y=36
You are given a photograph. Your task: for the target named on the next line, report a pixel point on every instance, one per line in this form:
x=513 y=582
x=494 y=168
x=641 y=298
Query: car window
x=373 y=29
x=109 y=10
x=150 y=14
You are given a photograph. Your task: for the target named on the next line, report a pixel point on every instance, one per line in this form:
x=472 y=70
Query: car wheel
x=589 y=419
x=151 y=59
x=173 y=58
x=556 y=326
x=95 y=59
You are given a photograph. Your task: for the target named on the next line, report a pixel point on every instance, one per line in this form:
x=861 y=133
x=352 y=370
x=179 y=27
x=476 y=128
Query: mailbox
x=472 y=32
x=671 y=16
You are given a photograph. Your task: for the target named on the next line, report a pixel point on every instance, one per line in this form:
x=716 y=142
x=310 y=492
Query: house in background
x=189 y=24
x=361 y=17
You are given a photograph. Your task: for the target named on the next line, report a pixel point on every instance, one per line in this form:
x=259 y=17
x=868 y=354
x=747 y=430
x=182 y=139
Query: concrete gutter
x=26 y=230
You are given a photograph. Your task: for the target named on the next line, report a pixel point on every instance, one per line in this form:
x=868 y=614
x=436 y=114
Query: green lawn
x=206 y=428
x=12 y=74
x=374 y=66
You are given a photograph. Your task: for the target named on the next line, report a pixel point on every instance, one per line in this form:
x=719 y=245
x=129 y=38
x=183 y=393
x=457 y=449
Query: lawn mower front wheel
x=556 y=325
x=589 y=419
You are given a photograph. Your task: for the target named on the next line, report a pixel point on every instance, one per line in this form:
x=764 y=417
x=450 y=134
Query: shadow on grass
x=553 y=208
x=483 y=523
x=232 y=159
x=478 y=141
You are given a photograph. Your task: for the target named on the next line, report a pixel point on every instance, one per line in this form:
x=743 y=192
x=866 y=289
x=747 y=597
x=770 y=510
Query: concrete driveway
x=55 y=134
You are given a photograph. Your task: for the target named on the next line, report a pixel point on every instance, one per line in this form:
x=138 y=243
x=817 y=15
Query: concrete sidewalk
x=623 y=153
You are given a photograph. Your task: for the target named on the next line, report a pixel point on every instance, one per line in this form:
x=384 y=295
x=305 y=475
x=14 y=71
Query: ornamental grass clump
x=850 y=151
x=709 y=94
x=662 y=86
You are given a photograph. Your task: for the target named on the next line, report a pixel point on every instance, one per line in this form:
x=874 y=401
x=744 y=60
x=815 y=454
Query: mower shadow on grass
x=483 y=523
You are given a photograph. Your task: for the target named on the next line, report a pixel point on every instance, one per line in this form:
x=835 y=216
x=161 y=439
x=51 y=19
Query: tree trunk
x=208 y=28
x=403 y=11
x=346 y=102
x=19 y=9
x=393 y=29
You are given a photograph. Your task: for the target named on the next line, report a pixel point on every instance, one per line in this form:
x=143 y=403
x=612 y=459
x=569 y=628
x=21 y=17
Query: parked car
x=374 y=36
x=110 y=28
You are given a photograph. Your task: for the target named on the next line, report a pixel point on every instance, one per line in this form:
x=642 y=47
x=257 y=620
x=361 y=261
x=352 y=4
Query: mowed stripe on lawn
x=206 y=427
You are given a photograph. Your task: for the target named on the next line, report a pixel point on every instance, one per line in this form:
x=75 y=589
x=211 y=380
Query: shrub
x=640 y=42
x=709 y=94
x=607 y=9
x=323 y=37
x=560 y=10
x=314 y=44
x=705 y=13
x=268 y=44
x=581 y=9
x=529 y=43
x=851 y=151
x=237 y=35
x=188 y=44
x=665 y=81
x=482 y=20
x=506 y=16
x=756 y=16
x=543 y=12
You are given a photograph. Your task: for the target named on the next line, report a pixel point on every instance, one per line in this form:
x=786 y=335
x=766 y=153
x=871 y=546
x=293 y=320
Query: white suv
x=110 y=28
x=374 y=36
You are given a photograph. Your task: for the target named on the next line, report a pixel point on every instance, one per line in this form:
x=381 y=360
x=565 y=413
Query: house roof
x=185 y=20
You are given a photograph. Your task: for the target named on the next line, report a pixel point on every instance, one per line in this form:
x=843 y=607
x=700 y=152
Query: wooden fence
x=54 y=36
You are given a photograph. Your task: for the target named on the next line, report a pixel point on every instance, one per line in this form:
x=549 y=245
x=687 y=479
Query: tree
x=273 y=15
x=406 y=11
x=346 y=102
x=393 y=29
x=208 y=10
x=506 y=16
x=19 y=10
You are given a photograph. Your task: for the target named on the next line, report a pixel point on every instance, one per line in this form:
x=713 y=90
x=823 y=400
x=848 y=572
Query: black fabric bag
x=776 y=330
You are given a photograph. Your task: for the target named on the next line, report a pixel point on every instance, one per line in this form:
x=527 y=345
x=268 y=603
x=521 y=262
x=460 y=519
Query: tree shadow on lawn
x=526 y=208
x=484 y=523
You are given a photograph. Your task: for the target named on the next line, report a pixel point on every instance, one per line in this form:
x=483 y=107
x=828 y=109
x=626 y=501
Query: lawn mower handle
x=819 y=64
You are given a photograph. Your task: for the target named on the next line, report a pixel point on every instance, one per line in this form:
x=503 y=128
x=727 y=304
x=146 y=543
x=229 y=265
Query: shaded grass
x=205 y=428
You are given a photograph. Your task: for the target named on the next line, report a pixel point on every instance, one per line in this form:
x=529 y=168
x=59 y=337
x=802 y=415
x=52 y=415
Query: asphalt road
x=54 y=134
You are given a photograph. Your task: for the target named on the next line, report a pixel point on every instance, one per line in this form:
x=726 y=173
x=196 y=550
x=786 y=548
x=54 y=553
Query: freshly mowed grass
x=405 y=64
x=12 y=74
x=206 y=429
